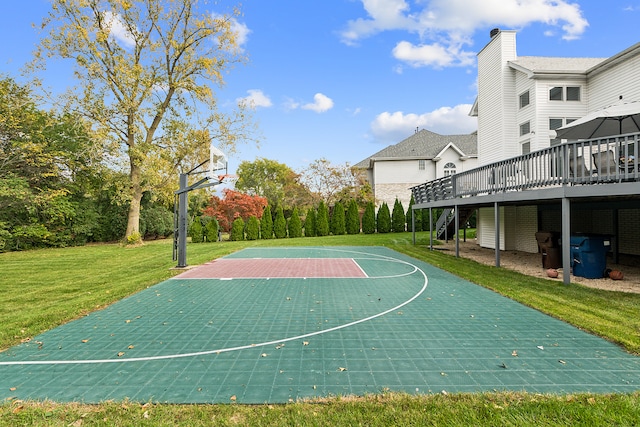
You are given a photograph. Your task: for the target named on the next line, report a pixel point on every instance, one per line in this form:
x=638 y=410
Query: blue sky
x=342 y=79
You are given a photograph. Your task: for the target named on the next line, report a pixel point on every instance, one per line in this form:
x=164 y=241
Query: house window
x=525 y=128
x=524 y=99
x=555 y=93
x=556 y=123
x=449 y=169
x=553 y=125
x=573 y=93
x=526 y=147
x=421 y=165
x=560 y=93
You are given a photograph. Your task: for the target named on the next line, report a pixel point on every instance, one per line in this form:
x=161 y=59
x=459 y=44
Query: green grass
x=493 y=409
x=45 y=288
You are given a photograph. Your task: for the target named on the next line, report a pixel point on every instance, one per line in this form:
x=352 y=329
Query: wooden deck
x=582 y=163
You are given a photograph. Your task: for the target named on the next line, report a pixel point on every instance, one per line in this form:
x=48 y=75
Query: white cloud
x=255 y=99
x=434 y=55
x=443 y=27
x=118 y=30
x=394 y=127
x=320 y=104
x=241 y=30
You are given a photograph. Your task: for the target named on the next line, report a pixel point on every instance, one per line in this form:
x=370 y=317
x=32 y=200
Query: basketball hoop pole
x=180 y=231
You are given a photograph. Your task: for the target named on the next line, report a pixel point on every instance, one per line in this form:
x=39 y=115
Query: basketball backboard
x=217 y=162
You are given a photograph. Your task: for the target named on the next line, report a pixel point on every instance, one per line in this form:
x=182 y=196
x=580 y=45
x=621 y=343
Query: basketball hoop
x=228 y=178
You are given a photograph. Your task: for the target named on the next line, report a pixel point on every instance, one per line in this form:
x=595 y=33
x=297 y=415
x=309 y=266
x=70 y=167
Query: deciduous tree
x=273 y=180
x=146 y=73
x=235 y=204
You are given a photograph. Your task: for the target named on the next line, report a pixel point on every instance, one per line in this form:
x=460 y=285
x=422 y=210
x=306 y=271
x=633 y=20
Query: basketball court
x=283 y=324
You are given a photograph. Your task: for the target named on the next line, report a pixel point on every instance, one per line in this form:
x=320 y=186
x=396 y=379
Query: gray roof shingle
x=424 y=144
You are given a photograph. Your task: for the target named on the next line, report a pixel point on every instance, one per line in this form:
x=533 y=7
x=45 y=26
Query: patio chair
x=578 y=169
x=605 y=163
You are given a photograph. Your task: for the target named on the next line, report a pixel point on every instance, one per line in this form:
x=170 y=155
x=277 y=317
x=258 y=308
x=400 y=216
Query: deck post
x=413 y=225
x=430 y=229
x=496 y=214
x=457 y=230
x=566 y=240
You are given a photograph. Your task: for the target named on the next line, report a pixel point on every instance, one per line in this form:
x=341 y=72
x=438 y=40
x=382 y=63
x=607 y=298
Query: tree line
x=322 y=220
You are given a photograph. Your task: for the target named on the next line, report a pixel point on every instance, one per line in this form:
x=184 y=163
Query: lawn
x=45 y=288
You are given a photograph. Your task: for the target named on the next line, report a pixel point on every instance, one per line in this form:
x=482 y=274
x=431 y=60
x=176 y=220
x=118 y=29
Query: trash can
x=589 y=255
x=549 y=248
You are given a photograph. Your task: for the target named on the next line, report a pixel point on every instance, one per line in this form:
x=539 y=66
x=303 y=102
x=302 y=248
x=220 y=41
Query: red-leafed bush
x=234 y=205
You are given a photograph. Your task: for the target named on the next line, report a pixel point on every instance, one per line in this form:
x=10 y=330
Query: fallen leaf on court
x=85 y=340
x=288 y=298
x=130 y=347
x=233 y=398
x=127 y=321
x=13 y=389
x=400 y=313
x=315 y=387
x=341 y=369
x=120 y=354
x=264 y=355
x=444 y=374
x=305 y=343
x=541 y=347
x=514 y=353
x=146 y=414
x=18 y=409
x=562 y=361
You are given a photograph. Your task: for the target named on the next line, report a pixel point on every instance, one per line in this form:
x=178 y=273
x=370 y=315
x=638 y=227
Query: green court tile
x=389 y=331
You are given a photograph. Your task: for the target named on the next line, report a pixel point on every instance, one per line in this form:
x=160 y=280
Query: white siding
x=402 y=171
x=394 y=178
x=497 y=100
x=486 y=228
x=622 y=78
x=526 y=225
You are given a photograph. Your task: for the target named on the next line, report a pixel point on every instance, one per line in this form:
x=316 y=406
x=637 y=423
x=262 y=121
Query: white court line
x=366 y=276
x=243 y=347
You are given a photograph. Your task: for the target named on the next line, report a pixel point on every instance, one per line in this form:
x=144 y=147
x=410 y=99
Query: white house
x=527 y=180
x=521 y=101
x=423 y=156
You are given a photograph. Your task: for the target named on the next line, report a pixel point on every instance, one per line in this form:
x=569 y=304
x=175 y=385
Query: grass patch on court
x=495 y=409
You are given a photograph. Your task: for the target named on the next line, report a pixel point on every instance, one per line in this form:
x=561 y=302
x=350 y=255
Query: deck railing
x=594 y=161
